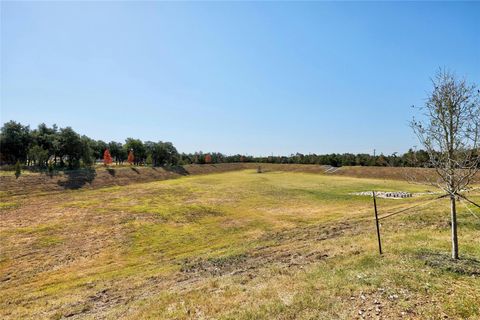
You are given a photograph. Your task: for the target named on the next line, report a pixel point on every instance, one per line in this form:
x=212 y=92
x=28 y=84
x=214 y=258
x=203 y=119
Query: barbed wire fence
x=461 y=198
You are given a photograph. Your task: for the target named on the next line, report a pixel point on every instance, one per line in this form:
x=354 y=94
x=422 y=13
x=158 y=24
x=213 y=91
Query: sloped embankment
x=392 y=173
x=103 y=177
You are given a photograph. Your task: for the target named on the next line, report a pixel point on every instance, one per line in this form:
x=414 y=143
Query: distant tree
x=184 y=159
x=107 y=158
x=98 y=148
x=138 y=149
x=162 y=153
x=208 y=159
x=55 y=138
x=199 y=157
x=450 y=135
x=38 y=156
x=15 y=140
x=131 y=157
x=88 y=158
x=71 y=147
x=348 y=159
x=154 y=152
x=217 y=157
x=46 y=138
x=117 y=151
x=381 y=161
x=409 y=158
x=422 y=158
x=149 y=160
x=172 y=154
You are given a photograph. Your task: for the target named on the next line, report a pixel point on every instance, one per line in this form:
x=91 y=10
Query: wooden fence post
x=376 y=222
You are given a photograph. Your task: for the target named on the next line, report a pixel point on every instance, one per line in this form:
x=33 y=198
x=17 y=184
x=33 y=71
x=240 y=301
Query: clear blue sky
x=253 y=78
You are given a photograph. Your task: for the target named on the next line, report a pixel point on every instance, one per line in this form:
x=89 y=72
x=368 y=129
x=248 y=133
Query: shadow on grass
x=111 y=171
x=464 y=265
x=51 y=173
x=135 y=169
x=78 y=178
x=178 y=170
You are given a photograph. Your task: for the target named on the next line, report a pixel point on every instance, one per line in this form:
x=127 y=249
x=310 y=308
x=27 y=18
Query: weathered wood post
x=376 y=222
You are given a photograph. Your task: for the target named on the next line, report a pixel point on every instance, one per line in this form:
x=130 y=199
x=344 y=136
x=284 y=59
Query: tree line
x=64 y=148
x=409 y=159
x=46 y=146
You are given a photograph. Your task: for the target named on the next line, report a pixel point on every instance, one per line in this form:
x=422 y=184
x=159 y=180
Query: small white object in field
x=386 y=194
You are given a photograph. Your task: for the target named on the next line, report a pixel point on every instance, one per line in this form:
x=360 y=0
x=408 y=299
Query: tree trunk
x=453 y=212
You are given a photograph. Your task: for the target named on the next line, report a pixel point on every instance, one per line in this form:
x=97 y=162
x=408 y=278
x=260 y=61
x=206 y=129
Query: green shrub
x=18 y=169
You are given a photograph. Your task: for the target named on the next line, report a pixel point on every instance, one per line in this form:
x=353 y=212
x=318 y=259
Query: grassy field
x=234 y=245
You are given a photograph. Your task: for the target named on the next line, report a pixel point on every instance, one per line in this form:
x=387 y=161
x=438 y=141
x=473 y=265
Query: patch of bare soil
x=385 y=304
x=287 y=249
x=95 y=304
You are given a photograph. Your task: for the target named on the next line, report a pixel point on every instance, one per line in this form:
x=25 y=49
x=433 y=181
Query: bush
x=18 y=169
x=149 y=160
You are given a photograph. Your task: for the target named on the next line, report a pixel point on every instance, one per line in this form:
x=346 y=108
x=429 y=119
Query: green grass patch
x=235 y=245
x=8 y=205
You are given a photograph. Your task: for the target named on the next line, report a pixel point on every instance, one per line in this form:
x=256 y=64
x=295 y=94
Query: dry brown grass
x=124 y=175
x=101 y=177
x=391 y=173
x=236 y=245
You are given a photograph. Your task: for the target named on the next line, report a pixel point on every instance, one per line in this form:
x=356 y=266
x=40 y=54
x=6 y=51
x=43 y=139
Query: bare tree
x=450 y=133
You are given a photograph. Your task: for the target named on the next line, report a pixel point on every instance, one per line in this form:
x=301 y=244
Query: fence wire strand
x=470 y=210
x=412 y=207
x=420 y=205
x=462 y=198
